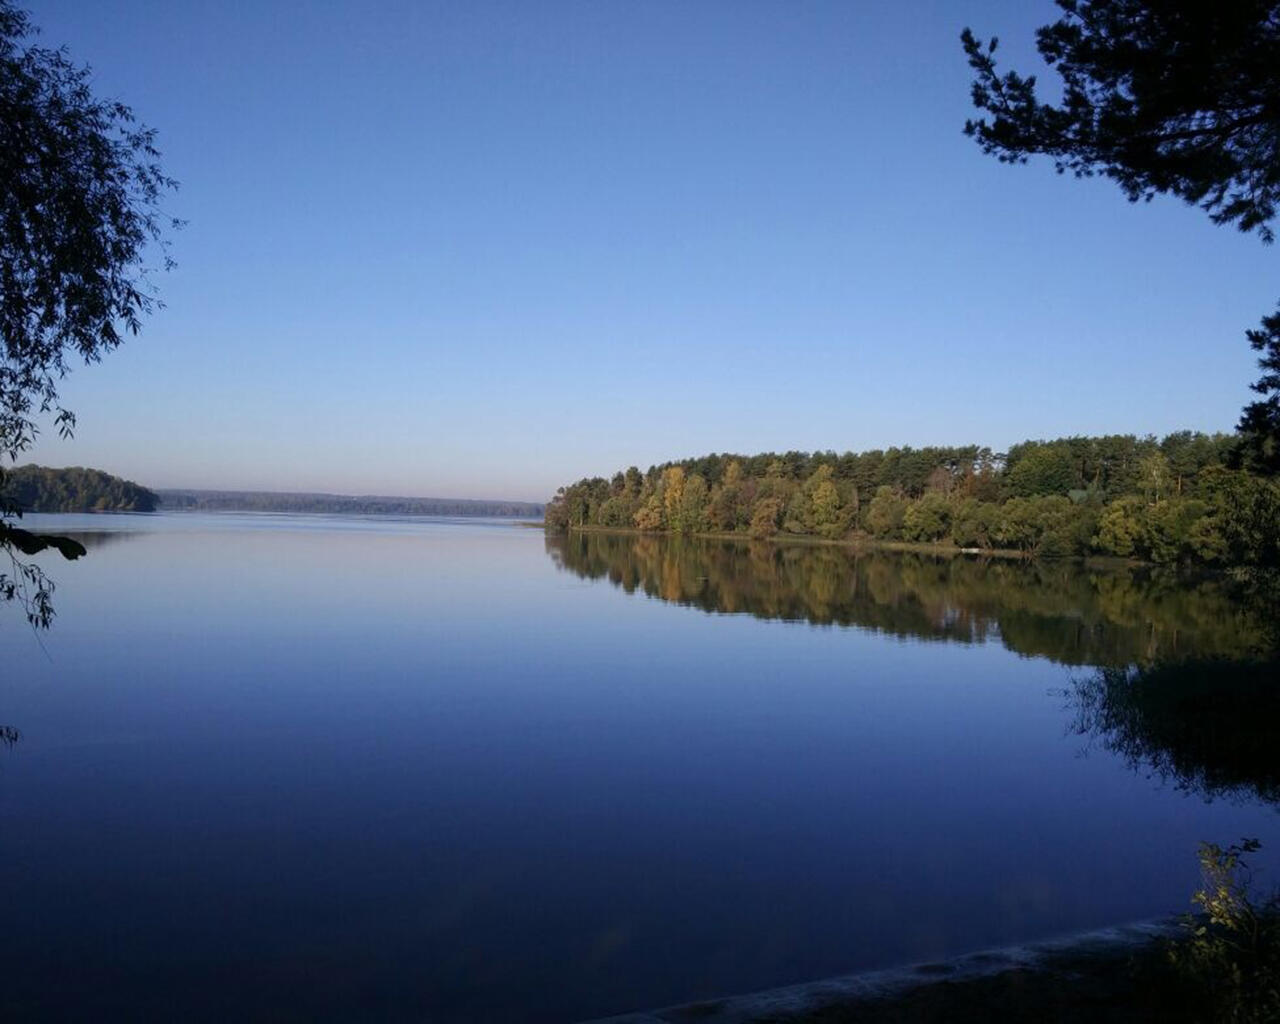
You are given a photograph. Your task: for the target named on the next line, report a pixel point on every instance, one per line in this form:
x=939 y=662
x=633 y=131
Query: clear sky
x=485 y=248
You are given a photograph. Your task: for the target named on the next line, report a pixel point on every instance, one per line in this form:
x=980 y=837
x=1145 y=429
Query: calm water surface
x=287 y=767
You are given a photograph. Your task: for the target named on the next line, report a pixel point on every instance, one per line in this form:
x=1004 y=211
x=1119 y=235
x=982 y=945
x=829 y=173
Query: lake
x=326 y=768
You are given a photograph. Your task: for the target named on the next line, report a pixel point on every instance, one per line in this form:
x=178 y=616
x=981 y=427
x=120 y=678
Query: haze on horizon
x=481 y=250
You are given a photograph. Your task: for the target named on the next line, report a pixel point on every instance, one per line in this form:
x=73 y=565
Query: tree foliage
x=40 y=489
x=80 y=194
x=79 y=208
x=1229 y=957
x=1169 y=97
x=1164 y=500
x=1260 y=424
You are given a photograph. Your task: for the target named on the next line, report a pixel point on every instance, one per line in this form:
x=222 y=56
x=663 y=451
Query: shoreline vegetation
x=1181 y=499
x=34 y=488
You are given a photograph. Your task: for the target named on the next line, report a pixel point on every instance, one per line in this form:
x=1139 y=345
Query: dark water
x=301 y=768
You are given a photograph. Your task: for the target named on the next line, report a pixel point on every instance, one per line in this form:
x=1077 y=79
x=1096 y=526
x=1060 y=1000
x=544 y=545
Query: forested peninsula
x=74 y=489
x=1180 y=498
x=283 y=501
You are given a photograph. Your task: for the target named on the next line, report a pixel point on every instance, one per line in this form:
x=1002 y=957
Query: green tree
x=817 y=507
x=1056 y=519
x=1038 y=526
x=1171 y=529
x=79 y=211
x=826 y=512
x=928 y=519
x=1245 y=513
x=1017 y=527
x=691 y=516
x=730 y=505
x=618 y=510
x=1122 y=527
x=39 y=489
x=1188 y=453
x=1260 y=423
x=1156 y=476
x=556 y=516
x=1179 y=98
x=885 y=514
x=1041 y=468
x=1206 y=542
x=974 y=523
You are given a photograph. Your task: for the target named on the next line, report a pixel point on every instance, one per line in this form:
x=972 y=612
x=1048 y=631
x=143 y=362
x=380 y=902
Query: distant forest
x=74 y=489
x=279 y=501
x=40 y=489
x=1164 y=500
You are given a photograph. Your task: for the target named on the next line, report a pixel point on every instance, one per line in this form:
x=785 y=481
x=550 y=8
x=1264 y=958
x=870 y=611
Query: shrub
x=1230 y=958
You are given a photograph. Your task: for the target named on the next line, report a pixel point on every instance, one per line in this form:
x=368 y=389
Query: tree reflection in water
x=1207 y=726
x=1058 y=610
x=1186 y=684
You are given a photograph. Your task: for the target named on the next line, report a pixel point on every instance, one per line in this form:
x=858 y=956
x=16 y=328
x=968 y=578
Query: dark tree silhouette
x=75 y=489
x=1260 y=424
x=80 y=192
x=1179 y=97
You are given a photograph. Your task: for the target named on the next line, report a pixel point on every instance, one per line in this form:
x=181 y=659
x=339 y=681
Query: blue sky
x=483 y=248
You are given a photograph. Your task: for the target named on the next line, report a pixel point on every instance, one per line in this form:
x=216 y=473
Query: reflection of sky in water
x=313 y=764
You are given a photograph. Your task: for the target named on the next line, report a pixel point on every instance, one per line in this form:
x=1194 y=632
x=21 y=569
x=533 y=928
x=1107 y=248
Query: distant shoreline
x=77 y=489
x=192 y=500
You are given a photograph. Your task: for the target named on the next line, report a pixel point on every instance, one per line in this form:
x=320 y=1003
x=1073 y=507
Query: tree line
x=1167 y=500
x=74 y=489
